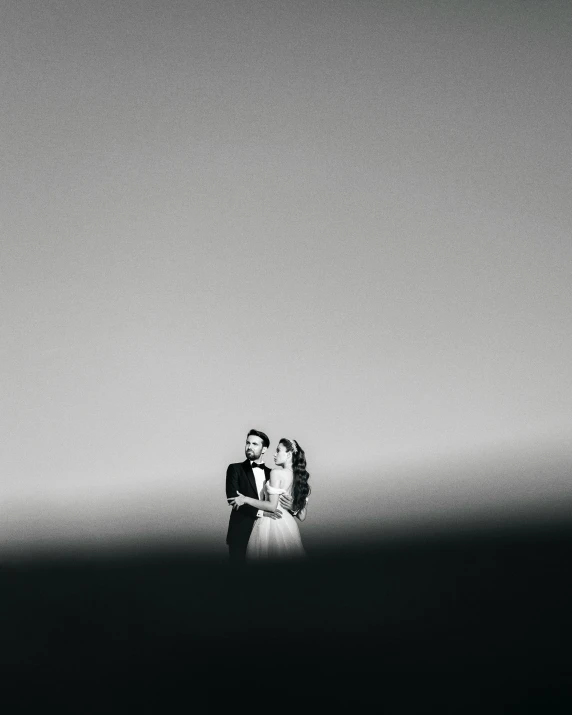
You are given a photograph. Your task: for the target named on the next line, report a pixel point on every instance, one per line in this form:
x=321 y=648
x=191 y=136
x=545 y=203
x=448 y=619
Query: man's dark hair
x=263 y=437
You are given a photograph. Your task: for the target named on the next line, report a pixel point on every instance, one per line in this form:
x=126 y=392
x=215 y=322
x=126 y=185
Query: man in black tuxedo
x=248 y=478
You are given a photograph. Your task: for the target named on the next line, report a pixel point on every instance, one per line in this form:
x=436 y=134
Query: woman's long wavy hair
x=300 y=488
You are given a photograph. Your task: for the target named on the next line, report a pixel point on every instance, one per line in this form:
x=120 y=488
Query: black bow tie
x=259 y=466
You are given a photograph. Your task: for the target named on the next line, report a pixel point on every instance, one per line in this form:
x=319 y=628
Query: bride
x=280 y=538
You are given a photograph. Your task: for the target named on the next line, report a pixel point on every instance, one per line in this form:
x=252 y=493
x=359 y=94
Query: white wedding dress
x=275 y=538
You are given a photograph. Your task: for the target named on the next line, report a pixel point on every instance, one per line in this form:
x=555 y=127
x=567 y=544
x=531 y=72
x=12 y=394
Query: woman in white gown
x=280 y=538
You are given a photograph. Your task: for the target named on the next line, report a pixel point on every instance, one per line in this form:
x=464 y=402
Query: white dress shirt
x=259 y=478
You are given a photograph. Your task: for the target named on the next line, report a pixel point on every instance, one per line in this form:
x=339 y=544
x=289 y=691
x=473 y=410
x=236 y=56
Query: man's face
x=253 y=448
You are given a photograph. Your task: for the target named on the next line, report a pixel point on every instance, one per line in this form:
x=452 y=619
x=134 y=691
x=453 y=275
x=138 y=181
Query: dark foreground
x=451 y=624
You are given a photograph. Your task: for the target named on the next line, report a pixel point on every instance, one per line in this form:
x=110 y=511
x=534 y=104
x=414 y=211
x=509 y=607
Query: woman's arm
x=302 y=513
x=270 y=505
x=232 y=482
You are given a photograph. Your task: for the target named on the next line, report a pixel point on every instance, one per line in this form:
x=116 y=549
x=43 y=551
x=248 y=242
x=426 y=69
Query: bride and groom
x=258 y=528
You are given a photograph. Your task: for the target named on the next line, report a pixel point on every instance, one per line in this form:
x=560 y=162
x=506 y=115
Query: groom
x=248 y=478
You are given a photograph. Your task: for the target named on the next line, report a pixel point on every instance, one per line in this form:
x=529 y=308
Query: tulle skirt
x=275 y=539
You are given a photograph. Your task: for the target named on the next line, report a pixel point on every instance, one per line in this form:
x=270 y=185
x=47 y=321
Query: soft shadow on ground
x=402 y=625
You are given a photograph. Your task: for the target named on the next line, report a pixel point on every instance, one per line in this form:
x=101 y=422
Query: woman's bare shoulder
x=276 y=476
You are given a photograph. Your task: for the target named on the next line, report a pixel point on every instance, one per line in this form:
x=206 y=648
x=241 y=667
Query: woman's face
x=281 y=456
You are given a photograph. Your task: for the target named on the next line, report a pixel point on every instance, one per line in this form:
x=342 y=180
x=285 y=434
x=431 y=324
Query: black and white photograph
x=285 y=370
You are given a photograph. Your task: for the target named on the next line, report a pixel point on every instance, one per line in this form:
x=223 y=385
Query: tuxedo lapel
x=250 y=476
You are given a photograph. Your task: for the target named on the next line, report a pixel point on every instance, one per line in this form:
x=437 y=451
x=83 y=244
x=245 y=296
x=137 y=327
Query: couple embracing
x=258 y=529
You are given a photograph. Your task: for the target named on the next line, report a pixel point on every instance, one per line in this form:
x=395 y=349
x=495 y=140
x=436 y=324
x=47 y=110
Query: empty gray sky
x=344 y=222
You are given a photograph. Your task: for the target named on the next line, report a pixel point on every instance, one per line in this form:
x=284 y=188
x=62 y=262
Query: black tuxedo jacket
x=239 y=477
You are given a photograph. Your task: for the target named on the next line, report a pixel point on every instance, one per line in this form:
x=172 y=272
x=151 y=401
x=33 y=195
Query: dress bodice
x=275 y=538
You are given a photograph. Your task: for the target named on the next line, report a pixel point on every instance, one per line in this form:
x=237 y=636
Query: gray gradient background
x=345 y=222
